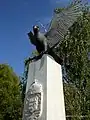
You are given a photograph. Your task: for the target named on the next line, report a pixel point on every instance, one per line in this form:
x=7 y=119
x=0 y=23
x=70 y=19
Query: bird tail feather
x=56 y=57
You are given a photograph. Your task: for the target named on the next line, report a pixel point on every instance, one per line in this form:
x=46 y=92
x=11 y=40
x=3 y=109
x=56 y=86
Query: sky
x=16 y=19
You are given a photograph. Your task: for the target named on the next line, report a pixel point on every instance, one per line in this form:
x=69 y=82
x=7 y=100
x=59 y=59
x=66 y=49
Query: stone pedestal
x=44 y=91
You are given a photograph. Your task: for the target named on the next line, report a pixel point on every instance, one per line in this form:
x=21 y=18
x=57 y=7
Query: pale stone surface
x=48 y=75
x=55 y=96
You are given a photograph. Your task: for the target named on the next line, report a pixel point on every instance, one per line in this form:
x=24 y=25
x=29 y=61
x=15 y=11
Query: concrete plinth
x=44 y=91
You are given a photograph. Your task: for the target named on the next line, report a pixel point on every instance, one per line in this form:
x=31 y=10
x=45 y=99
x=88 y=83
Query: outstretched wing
x=63 y=20
x=32 y=38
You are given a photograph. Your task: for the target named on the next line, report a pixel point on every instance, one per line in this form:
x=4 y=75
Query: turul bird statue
x=40 y=41
x=59 y=25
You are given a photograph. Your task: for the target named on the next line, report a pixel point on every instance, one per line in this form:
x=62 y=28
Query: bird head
x=35 y=29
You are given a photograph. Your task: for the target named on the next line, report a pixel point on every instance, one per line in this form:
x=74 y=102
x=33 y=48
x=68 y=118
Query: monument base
x=44 y=91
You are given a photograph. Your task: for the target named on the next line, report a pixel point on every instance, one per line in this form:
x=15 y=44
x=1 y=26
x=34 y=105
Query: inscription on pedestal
x=33 y=102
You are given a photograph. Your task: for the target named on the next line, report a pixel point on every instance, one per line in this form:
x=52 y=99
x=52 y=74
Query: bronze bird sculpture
x=59 y=25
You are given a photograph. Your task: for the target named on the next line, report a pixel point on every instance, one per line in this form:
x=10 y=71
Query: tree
x=74 y=50
x=10 y=96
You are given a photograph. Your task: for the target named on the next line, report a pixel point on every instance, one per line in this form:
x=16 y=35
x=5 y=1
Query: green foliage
x=35 y=53
x=74 y=50
x=58 y=10
x=10 y=98
x=72 y=102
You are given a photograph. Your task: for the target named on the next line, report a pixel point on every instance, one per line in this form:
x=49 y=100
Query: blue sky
x=16 y=19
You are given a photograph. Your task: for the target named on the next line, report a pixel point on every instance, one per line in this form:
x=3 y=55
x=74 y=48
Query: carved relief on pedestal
x=33 y=102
